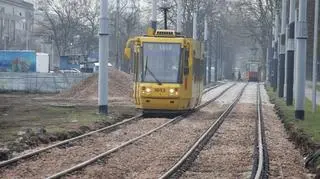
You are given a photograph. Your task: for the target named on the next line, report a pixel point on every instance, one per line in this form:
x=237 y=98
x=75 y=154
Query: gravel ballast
x=57 y=159
x=152 y=156
x=229 y=153
x=285 y=160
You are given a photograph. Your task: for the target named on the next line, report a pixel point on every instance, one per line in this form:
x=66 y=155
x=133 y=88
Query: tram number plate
x=160 y=90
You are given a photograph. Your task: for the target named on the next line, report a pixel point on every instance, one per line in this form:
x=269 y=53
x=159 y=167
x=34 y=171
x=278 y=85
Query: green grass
x=310 y=125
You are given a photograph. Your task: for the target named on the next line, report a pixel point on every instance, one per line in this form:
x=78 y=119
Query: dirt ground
x=28 y=120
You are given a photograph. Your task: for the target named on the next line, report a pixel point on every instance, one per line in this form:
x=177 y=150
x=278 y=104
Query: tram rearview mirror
x=127 y=53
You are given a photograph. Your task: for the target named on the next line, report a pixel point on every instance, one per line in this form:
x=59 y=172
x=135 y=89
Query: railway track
x=96 y=157
x=260 y=157
x=260 y=167
x=30 y=154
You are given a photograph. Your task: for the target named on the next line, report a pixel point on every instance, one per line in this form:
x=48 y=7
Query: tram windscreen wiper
x=147 y=69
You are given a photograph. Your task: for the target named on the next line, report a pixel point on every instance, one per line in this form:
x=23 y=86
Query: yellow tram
x=169 y=71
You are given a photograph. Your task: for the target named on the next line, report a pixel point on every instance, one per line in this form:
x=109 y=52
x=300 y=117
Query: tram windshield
x=161 y=63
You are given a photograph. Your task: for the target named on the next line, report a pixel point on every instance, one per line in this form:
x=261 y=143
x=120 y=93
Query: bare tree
x=66 y=20
x=257 y=18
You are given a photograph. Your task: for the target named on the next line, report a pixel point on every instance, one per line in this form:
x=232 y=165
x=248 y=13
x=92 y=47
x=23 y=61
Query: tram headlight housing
x=173 y=91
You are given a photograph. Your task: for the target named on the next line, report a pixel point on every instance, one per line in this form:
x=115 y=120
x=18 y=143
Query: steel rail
x=88 y=162
x=203 y=139
x=211 y=88
x=15 y=159
x=262 y=170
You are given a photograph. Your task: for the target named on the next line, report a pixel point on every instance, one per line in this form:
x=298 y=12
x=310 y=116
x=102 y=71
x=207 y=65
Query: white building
x=16 y=22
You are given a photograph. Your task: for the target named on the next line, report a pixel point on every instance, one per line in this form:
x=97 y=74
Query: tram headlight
x=174 y=91
x=148 y=90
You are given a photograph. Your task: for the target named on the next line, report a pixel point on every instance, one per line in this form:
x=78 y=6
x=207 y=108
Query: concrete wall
x=39 y=82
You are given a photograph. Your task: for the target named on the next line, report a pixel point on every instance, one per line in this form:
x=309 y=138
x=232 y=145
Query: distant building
x=16 y=22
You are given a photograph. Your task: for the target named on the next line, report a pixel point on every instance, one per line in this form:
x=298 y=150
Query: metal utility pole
x=302 y=36
x=52 y=52
x=267 y=65
x=210 y=59
x=295 y=55
x=282 y=56
x=195 y=36
x=217 y=55
x=179 y=16
x=272 y=75
x=154 y=15
x=117 y=35
x=275 y=53
x=220 y=47
x=205 y=49
x=286 y=64
x=290 y=54
x=103 y=57
x=27 y=33
x=315 y=57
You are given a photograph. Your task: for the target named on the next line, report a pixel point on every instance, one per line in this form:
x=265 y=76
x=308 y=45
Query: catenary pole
x=282 y=55
x=216 y=62
x=302 y=36
x=290 y=54
x=295 y=56
x=315 y=56
x=27 y=35
x=52 y=53
x=103 y=58
x=205 y=49
x=154 y=15
x=118 y=35
x=276 y=52
x=179 y=16
x=194 y=36
x=272 y=60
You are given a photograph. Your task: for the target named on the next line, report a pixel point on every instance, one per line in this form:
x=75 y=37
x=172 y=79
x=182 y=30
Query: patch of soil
x=26 y=113
x=120 y=85
x=30 y=138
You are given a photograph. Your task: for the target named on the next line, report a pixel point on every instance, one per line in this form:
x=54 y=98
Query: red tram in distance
x=252 y=71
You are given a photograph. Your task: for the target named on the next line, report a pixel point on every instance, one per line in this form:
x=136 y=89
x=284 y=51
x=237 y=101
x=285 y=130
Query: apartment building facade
x=16 y=22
